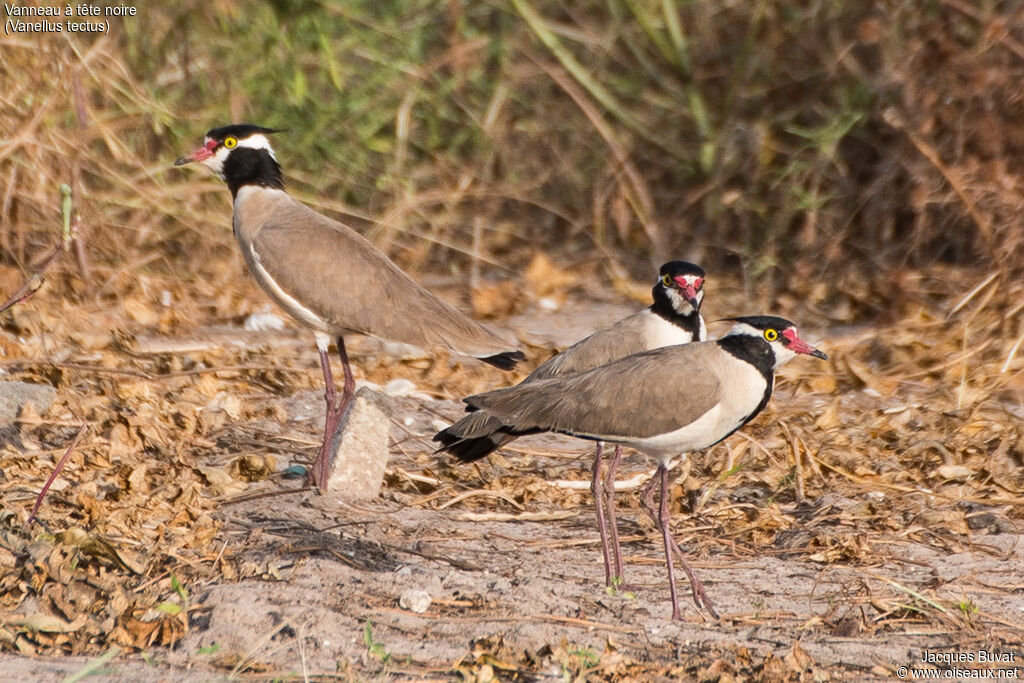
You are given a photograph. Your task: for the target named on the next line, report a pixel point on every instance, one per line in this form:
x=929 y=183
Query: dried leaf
x=47 y=623
x=495 y=300
x=94 y=546
x=954 y=472
x=829 y=418
x=220 y=481
x=543 y=278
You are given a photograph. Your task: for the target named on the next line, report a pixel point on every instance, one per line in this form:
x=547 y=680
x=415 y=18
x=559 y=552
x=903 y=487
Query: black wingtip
x=466 y=450
x=506 y=360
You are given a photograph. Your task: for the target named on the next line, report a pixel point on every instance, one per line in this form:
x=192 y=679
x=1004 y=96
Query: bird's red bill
x=798 y=345
x=204 y=152
x=689 y=290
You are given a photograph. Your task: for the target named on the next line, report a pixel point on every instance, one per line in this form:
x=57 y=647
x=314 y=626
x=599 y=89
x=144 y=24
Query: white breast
x=299 y=311
x=659 y=332
x=742 y=388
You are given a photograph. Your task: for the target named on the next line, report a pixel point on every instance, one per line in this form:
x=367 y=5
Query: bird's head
x=240 y=154
x=780 y=334
x=682 y=284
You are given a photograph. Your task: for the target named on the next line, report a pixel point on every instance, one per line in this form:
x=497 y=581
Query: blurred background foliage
x=819 y=148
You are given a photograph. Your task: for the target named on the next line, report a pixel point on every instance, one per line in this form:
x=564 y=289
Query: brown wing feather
x=604 y=346
x=344 y=279
x=631 y=397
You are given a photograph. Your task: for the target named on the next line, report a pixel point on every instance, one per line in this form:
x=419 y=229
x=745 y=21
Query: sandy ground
x=512 y=590
x=517 y=590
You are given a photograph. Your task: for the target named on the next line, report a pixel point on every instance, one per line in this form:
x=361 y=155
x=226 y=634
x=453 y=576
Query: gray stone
x=415 y=600
x=15 y=395
x=361 y=456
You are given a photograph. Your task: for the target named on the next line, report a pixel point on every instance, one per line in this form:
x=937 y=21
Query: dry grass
x=799 y=153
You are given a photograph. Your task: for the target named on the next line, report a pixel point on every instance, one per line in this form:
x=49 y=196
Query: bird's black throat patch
x=250 y=166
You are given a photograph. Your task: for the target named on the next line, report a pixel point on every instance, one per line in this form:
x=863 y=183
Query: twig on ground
x=56 y=471
x=482 y=492
x=521 y=517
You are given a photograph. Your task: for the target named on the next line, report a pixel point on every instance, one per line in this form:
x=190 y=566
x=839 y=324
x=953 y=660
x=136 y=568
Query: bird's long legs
x=666 y=535
x=596 y=484
x=603 y=489
x=613 y=468
x=337 y=406
x=662 y=519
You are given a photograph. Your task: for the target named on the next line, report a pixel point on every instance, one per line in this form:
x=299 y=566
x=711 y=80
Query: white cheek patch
x=258 y=141
x=744 y=328
x=679 y=304
x=782 y=354
x=216 y=162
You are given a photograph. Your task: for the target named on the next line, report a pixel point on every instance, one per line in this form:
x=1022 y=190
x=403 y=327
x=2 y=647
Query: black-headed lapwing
x=327 y=276
x=674 y=318
x=663 y=403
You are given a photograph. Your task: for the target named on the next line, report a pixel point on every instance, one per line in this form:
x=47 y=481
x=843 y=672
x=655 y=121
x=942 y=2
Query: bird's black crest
x=677 y=268
x=239 y=130
x=763 y=322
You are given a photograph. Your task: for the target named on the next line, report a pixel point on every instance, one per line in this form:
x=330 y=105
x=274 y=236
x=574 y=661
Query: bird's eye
x=230 y=143
x=666 y=280
x=771 y=335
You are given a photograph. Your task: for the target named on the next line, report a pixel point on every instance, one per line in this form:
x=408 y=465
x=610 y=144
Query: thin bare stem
x=56 y=470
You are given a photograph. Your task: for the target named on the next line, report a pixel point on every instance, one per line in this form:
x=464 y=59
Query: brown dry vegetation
x=854 y=166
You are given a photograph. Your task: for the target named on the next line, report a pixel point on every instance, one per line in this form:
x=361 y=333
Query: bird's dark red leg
x=613 y=468
x=700 y=595
x=664 y=519
x=336 y=409
x=595 y=488
x=349 y=390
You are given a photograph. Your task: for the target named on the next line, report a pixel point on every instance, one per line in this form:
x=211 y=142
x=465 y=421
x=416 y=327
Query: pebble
x=415 y=600
x=14 y=396
x=259 y=322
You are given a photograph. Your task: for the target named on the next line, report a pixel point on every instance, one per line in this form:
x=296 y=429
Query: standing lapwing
x=329 y=277
x=663 y=403
x=674 y=318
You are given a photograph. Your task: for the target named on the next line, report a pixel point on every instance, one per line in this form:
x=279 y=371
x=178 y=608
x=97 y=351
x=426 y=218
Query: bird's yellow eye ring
x=771 y=335
x=666 y=280
x=230 y=142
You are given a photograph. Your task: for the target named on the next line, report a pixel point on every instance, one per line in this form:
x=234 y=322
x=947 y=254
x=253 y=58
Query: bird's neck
x=752 y=350
x=688 y=320
x=246 y=166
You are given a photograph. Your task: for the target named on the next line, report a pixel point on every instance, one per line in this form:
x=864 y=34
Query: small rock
x=955 y=472
x=549 y=304
x=259 y=322
x=14 y=396
x=357 y=470
x=415 y=600
x=399 y=387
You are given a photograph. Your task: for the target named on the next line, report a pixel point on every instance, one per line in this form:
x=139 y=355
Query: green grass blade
x=572 y=65
x=93 y=666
